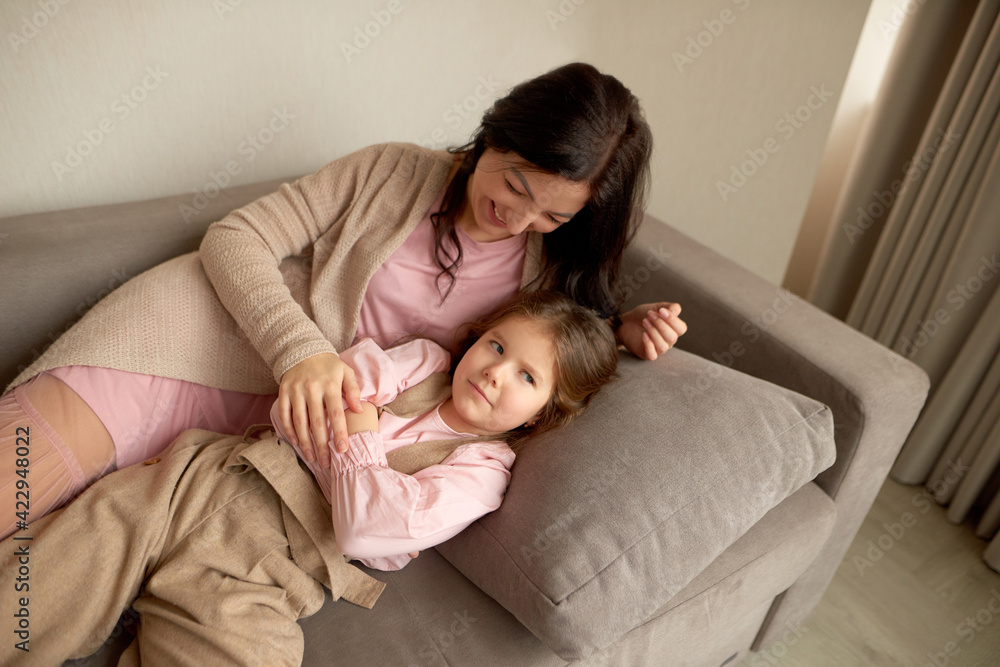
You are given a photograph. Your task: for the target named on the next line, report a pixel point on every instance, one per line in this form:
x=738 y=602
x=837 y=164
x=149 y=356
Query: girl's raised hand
x=651 y=329
x=312 y=392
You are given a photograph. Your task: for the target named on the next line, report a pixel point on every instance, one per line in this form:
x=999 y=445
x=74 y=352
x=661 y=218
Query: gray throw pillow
x=673 y=462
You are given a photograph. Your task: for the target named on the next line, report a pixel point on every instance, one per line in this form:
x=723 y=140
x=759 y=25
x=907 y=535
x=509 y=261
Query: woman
x=547 y=194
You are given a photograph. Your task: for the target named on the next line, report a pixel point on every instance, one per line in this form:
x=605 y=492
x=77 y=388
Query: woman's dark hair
x=587 y=127
x=585 y=349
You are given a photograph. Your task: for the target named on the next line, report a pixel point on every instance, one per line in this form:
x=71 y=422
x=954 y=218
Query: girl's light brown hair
x=586 y=354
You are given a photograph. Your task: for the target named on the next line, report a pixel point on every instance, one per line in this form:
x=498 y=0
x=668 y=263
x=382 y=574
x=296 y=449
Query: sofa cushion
x=619 y=511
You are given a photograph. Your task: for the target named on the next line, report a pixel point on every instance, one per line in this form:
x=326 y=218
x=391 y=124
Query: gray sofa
x=698 y=511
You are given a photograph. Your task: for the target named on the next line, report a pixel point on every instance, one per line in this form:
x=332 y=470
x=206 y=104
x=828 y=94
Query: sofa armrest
x=741 y=320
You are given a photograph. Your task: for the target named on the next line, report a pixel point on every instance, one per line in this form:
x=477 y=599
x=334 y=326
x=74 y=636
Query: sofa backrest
x=57 y=265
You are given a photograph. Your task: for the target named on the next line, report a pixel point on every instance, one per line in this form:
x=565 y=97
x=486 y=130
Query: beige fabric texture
x=226 y=544
x=274 y=282
x=225 y=540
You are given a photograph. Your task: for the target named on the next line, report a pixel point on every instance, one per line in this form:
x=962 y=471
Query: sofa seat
x=429 y=604
x=456 y=626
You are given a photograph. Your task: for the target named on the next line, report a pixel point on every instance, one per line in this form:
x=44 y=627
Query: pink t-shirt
x=380 y=515
x=145 y=413
x=402 y=297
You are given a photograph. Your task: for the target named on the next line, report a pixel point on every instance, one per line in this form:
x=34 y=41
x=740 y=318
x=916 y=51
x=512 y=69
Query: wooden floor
x=912 y=591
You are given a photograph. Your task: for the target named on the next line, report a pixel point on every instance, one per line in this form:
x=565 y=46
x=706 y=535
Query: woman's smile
x=494 y=216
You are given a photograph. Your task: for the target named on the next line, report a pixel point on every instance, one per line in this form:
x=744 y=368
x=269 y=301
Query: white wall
x=72 y=74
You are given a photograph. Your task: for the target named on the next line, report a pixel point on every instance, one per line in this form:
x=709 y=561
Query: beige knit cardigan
x=273 y=283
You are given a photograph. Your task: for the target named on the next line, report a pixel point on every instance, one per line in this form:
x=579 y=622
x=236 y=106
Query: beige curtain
x=924 y=237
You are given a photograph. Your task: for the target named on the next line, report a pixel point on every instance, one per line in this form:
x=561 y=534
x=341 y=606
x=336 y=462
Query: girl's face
x=505 y=379
x=507 y=195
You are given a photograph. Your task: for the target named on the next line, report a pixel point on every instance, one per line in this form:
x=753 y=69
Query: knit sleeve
x=241 y=254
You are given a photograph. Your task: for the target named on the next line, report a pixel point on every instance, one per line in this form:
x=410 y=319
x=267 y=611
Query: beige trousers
x=222 y=543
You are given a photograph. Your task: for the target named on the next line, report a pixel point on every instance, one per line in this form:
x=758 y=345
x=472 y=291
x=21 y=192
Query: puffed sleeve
x=383 y=374
x=380 y=515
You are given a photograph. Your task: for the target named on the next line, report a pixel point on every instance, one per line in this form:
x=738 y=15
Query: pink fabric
x=144 y=413
x=380 y=515
x=28 y=441
x=402 y=297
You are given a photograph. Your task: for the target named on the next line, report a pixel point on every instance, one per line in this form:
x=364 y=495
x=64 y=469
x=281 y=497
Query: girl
x=532 y=365
x=547 y=194
x=225 y=552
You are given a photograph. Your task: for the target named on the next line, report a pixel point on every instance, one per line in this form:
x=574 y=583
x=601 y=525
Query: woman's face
x=507 y=195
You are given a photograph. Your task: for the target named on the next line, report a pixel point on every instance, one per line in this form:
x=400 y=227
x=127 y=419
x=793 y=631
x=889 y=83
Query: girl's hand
x=366 y=420
x=651 y=329
x=311 y=392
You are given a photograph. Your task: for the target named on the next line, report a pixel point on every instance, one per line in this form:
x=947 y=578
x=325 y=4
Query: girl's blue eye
x=527 y=377
x=496 y=346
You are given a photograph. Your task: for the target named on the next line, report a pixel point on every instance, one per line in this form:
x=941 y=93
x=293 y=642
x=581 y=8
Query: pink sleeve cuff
x=364 y=449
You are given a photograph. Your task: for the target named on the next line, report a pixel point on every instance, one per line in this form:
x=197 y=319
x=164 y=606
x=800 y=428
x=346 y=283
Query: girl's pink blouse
x=380 y=515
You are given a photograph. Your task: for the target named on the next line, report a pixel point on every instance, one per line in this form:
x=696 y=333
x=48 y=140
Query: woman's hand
x=651 y=329
x=311 y=392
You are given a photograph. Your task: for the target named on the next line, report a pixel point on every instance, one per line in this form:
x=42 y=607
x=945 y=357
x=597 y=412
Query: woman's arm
x=241 y=255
